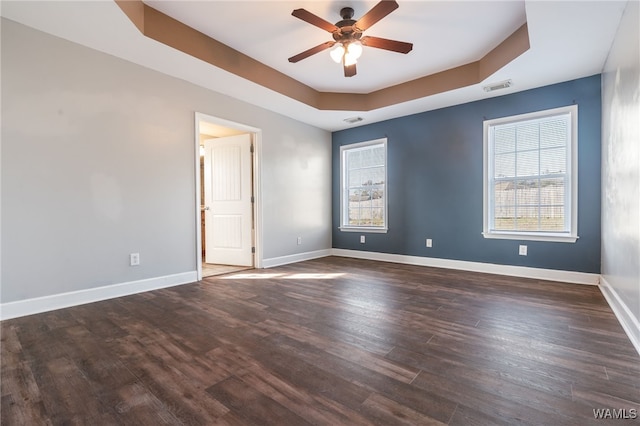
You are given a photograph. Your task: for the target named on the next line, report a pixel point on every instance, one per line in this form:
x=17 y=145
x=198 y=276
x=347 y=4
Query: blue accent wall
x=435 y=182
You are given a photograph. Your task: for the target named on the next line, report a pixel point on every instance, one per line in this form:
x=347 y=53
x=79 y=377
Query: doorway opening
x=228 y=235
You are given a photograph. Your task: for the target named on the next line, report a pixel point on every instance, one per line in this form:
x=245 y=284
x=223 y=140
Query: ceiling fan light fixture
x=354 y=49
x=337 y=52
x=349 y=59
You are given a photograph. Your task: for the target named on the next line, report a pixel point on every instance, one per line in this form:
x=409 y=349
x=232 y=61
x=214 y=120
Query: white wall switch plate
x=361 y=239
x=429 y=242
x=522 y=250
x=299 y=240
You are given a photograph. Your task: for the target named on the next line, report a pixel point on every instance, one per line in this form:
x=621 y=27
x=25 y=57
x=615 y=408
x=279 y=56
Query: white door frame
x=257 y=205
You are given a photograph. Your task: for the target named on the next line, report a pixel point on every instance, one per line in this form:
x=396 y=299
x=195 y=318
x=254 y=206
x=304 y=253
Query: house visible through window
x=363 y=195
x=530 y=184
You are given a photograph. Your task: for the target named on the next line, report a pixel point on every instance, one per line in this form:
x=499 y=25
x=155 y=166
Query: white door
x=227 y=200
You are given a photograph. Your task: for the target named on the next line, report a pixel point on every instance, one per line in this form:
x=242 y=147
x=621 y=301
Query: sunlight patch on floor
x=299 y=276
x=314 y=276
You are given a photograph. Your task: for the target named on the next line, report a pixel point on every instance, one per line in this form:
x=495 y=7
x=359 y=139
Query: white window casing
x=530 y=184
x=363 y=187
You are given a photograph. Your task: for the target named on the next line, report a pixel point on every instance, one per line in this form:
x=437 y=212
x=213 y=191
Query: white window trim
x=572 y=172
x=344 y=210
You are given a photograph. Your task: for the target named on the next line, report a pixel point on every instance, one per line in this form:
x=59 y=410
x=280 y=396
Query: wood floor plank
x=332 y=341
x=316 y=409
x=345 y=351
x=388 y=412
x=465 y=416
x=21 y=399
x=251 y=404
x=420 y=400
x=490 y=400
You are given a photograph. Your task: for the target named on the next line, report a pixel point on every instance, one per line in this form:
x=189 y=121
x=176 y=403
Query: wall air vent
x=498 y=86
x=352 y=120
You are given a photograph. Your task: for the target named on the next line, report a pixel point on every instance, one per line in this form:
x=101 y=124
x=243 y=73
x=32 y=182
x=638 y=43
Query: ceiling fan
x=347 y=35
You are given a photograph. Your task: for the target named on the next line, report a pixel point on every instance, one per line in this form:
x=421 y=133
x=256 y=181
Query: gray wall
x=621 y=163
x=435 y=182
x=98 y=162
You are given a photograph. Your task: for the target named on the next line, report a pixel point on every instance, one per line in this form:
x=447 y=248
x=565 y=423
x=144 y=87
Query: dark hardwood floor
x=333 y=341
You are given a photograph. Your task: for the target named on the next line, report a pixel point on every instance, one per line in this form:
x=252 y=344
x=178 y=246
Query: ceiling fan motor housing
x=348 y=31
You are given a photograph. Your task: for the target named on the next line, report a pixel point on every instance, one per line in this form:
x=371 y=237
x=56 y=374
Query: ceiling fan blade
x=319 y=48
x=386 y=44
x=309 y=17
x=378 y=12
x=350 y=70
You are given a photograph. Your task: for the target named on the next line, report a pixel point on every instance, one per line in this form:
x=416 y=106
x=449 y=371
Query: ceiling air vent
x=352 y=120
x=498 y=86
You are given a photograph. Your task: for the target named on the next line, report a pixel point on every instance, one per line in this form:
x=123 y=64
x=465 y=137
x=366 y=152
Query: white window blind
x=530 y=185
x=363 y=186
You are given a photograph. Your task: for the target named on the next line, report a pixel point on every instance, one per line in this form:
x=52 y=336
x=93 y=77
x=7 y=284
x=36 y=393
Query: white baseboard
x=64 y=300
x=629 y=322
x=489 y=268
x=293 y=258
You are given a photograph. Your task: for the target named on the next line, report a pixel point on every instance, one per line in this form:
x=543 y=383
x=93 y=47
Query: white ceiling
x=568 y=39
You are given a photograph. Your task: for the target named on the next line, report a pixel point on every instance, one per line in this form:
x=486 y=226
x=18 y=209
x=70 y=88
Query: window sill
x=363 y=229
x=532 y=236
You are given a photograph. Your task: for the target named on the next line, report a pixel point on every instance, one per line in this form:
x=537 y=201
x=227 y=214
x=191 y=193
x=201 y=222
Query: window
x=363 y=183
x=530 y=176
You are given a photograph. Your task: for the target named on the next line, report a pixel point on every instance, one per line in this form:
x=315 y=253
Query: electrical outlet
x=429 y=242
x=134 y=259
x=522 y=250
x=299 y=240
x=361 y=239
